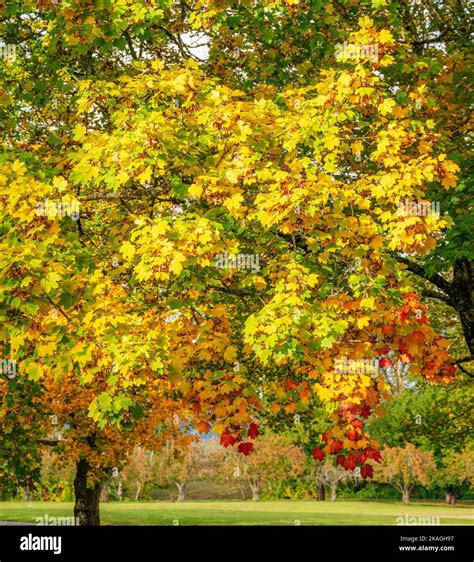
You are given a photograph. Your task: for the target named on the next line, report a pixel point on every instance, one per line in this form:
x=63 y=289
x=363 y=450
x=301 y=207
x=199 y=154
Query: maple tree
x=174 y=160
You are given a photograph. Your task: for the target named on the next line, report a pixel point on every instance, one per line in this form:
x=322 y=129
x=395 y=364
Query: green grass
x=248 y=513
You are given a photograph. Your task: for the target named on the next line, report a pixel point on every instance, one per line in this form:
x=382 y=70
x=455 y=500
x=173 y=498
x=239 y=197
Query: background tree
x=138 y=471
x=331 y=475
x=177 y=464
x=434 y=419
x=275 y=458
x=458 y=470
x=404 y=468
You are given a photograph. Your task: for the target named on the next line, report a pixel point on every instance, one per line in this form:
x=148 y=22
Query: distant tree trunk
x=406 y=496
x=181 y=491
x=104 y=494
x=120 y=491
x=255 y=492
x=333 y=492
x=86 y=508
x=139 y=489
x=321 y=493
x=450 y=496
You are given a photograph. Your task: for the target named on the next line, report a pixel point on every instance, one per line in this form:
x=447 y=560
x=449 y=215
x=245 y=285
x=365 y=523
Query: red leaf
x=357 y=424
x=352 y=434
x=365 y=412
x=388 y=329
x=253 y=431
x=405 y=357
x=326 y=436
x=418 y=337
x=336 y=446
x=373 y=454
x=245 y=448
x=318 y=454
x=227 y=440
x=350 y=462
x=340 y=460
x=367 y=471
x=385 y=362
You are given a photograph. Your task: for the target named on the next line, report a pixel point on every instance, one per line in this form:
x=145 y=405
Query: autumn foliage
x=122 y=315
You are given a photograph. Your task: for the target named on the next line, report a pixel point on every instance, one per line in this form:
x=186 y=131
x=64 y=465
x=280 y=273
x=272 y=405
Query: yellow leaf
x=127 y=250
x=230 y=353
x=368 y=302
x=386 y=107
x=46 y=349
x=385 y=37
x=176 y=265
x=195 y=190
x=363 y=322
x=234 y=203
x=218 y=428
x=312 y=280
x=232 y=176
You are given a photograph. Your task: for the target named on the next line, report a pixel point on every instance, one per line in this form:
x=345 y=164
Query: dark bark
x=321 y=493
x=457 y=293
x=86 y=508
x=461 y=294
x=450 y=496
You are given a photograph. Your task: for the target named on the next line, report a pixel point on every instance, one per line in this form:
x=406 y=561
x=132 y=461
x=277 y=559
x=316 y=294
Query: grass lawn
x=248 y=513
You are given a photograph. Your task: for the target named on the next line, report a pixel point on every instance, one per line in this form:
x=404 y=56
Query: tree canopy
x=206 y=207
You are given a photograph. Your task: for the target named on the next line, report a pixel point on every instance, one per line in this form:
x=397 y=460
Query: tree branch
x=434 y=278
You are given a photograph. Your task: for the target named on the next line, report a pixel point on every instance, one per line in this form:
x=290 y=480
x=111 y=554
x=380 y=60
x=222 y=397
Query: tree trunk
x=456 y=293
x=181 y=491
x=104 y=494
x=450 y=496
x=139 y=489
x=255 y=492
x=86 y=508
x=120 y=491
x=406 y=496
x=321 y=493
x=333 y=492
x=461 y=296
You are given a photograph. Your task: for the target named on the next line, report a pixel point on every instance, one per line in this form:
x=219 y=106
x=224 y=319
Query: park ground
x=248 y=513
